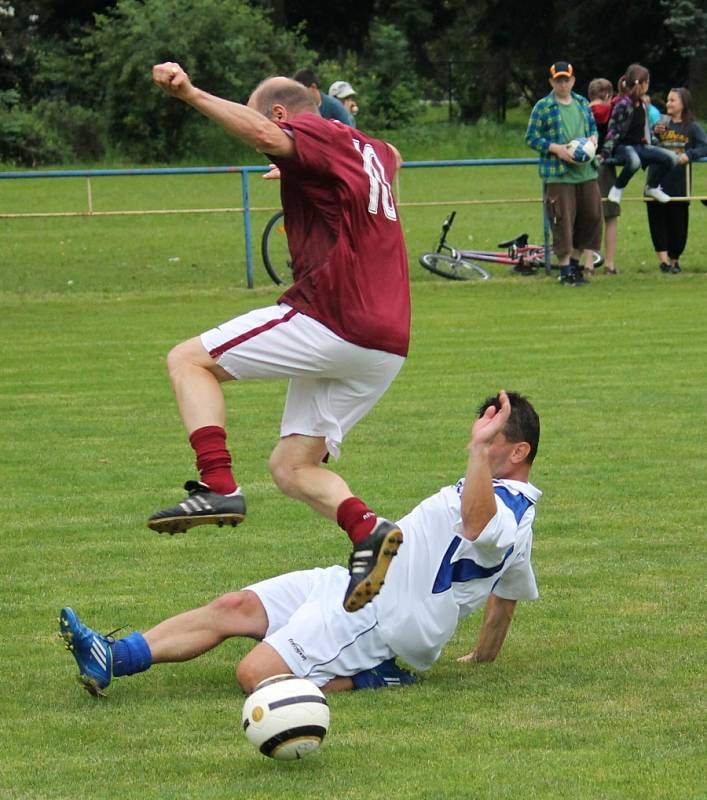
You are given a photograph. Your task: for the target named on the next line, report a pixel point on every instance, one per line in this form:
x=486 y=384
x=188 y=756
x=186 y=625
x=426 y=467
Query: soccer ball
x=286 y=717
x=582 y=149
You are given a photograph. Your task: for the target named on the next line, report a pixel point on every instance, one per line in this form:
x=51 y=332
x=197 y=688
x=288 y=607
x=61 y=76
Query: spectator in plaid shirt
x=572 y=195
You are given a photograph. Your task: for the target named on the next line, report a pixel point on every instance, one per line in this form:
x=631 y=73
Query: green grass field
x=599 y=692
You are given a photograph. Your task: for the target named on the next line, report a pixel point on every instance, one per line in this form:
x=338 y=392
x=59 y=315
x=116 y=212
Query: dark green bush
x=25 y=138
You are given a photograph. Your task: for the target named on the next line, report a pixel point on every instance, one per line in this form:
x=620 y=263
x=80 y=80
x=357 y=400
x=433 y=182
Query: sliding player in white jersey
x=464 y=546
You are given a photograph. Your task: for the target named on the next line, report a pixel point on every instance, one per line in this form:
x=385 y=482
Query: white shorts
x=333 y=383
x=308 y=627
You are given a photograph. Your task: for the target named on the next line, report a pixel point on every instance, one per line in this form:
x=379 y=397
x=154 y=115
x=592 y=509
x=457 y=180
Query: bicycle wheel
x=456 y=269
x=597 y=259
x=275 y=250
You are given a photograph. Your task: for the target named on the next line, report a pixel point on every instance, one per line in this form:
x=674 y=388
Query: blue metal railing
x=245 y=172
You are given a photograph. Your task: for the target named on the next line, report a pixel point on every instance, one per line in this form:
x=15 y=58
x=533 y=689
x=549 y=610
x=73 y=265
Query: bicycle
x=275 y=250
x=461 y=265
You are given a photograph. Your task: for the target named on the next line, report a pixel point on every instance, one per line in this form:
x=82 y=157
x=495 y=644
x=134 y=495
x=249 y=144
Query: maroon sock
x=356 y=518
x=213 y=459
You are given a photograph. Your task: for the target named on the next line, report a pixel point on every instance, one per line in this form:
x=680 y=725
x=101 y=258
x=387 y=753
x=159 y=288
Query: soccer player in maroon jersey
x=339 y=334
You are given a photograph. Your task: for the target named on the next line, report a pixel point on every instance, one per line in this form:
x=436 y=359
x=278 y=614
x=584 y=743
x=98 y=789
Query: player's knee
x=228 y=603
x=239 y=614
x=247 y=675
x=283 y=468
x=281 y=471
x=290 y=460
x=177 y=357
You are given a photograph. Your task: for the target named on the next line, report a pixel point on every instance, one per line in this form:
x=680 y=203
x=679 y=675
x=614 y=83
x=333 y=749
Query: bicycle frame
x=518 y=252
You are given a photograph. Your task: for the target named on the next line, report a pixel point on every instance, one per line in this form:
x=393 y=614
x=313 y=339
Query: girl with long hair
x=628 y=139
x=679 y=134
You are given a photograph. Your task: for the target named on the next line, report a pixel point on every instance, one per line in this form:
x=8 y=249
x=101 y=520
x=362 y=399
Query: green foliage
x=80 y=130
x=227 y=47
x=388 y=91
x=388 y=84
x=25 y=138
x=489 y=53
x=18 y=46
x=688 y=22
x=51 y=132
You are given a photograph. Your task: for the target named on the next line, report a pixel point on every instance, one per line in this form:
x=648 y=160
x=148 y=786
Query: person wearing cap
x=329 y=107
x=344 y=92
x=572 y=196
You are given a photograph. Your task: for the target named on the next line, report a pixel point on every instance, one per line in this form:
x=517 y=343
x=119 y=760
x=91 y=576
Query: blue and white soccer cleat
x=91 y=650
x=387 y=675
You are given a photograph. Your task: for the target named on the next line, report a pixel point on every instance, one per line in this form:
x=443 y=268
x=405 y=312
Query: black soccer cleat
x=201 y=507
x=369 y=564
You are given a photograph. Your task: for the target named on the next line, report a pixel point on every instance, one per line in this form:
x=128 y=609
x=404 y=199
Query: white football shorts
x=308 y=627
x=333 y=383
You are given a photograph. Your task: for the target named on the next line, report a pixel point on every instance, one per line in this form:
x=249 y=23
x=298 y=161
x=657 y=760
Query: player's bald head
x=284 y=92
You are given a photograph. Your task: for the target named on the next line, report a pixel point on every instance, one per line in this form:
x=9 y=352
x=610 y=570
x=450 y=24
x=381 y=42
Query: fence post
x=247 y=227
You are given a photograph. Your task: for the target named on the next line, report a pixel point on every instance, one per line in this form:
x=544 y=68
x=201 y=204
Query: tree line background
x=75 y=79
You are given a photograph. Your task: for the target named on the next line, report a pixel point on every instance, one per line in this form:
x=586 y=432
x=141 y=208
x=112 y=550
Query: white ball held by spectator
x=582 y=149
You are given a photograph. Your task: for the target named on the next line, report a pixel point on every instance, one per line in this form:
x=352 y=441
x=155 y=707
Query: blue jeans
x=635 y=156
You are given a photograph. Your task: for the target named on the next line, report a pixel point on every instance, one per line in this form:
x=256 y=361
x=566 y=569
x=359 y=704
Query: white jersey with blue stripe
x=439 y=577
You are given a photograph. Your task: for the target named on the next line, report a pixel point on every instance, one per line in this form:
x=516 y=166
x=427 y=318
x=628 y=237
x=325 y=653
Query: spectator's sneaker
x=369 y=564
x=201 y=507
x=91 y=650
x=657 y=193
x=578 y=274
x=387 y=675
x=573 y=279
x=615 y=195
x=666 y=267
x=675 y=268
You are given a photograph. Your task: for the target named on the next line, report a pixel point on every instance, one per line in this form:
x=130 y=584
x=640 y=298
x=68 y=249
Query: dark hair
x=599 y=87
x=688 y=107
x=286 y=92
x=523 y=425
x=631 y=80
x=305 y=76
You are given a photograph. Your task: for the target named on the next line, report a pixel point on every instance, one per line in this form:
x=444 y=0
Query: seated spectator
x=628 y=139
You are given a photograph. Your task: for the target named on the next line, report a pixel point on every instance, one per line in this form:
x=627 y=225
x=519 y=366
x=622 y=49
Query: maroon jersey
x=348 y=255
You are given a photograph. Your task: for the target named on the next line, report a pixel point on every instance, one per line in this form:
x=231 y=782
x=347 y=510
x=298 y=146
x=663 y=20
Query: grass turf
x=599 y=690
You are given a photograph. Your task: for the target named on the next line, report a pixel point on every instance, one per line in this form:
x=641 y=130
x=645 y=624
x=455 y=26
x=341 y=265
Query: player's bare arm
x=498 y=615
x=243 y=122
x=478 y=499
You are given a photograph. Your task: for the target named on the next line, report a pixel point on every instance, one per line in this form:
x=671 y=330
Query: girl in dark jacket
x=628 y=139
x=681 y=135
